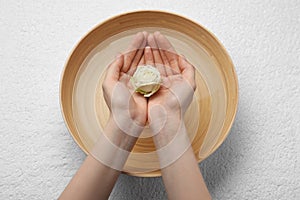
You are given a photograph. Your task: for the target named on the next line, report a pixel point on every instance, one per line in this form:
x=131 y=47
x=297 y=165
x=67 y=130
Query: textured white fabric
x=260 y=159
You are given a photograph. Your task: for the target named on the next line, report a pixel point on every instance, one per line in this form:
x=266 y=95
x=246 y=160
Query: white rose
x=146 y=80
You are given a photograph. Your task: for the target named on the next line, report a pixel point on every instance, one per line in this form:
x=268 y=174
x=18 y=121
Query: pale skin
x=182 y=178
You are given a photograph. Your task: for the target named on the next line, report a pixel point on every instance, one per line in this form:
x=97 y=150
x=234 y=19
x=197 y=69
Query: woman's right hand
x=126 y=106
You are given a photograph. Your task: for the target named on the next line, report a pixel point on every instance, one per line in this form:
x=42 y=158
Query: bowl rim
x=78 y=43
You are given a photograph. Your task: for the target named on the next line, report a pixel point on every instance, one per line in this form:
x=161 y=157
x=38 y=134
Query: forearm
x=92 y=181
x=181 y=174
x=95 y=180
x=183 y=179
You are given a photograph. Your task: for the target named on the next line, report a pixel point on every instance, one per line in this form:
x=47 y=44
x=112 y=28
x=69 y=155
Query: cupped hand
x=171 y=101
x=178 y=75
x=125 y=105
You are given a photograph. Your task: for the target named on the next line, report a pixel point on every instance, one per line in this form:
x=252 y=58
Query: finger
x=114 y=69
x=140 y=51
x=164 y=44
x=139 y=57
x=133 y=69
x=168 y=71
x=158 y=62
x=152 y=43
x=187 y=71
x=145 y=35
x=149 y=60
x=136 y=43
x=142 y=61
x=124 y=78
x=167 y=67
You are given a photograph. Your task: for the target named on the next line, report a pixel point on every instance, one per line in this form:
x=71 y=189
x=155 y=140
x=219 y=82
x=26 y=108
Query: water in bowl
x=204 y=119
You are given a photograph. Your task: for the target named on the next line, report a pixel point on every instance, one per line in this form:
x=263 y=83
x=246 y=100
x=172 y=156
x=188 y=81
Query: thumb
x=114 y=69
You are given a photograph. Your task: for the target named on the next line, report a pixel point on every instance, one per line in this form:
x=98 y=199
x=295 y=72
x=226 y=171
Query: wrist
x=167 y=133
x=113 y=146
x=164 y=124
x=118 y=137
x=171 y=145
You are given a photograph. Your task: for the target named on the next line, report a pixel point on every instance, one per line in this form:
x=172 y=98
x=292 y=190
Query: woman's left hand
x=128 y=108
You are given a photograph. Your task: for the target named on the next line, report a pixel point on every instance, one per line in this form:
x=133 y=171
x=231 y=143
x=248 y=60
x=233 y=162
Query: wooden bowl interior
x=153 y=19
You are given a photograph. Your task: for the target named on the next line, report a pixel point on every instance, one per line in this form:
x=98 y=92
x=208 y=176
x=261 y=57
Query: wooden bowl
x=211 y=113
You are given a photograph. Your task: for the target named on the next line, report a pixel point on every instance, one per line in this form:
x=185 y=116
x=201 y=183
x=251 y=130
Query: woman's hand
x=126 y=106
x=180 y=172
x=128 y=110
x=167 y=107
x=182 y=179
x=99 y=172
